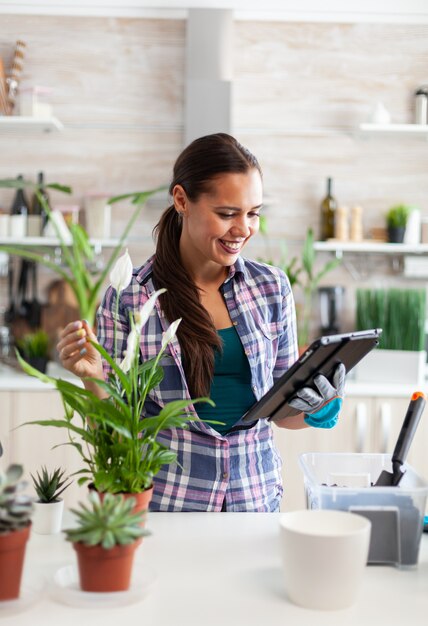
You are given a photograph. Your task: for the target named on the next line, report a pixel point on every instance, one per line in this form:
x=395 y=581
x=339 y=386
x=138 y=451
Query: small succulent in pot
x=49 y=506
x=49 y=486
x=15 y=519
x=107 y=534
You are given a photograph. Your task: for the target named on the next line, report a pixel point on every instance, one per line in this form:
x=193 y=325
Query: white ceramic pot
x=324 y=554
x=47 y=517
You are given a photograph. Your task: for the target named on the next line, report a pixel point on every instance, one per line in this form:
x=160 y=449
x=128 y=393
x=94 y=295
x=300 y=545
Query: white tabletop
x=215 y=569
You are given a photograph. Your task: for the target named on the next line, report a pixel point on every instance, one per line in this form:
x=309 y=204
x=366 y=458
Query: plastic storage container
x=344 y=481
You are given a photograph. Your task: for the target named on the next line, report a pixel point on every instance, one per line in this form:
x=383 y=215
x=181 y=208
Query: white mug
x=4 y=225
x=324 y=554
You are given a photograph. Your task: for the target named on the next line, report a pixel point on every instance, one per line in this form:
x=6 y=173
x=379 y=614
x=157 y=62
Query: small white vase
x=47 y=517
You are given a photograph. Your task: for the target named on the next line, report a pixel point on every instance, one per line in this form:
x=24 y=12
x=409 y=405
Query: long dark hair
x=198 y=164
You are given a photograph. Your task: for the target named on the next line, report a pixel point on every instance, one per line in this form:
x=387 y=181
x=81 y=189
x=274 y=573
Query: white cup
x=98 y=217
x=4 y=225
x=324 y=554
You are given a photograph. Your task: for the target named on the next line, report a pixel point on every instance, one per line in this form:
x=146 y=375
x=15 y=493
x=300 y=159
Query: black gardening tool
x=405 y=438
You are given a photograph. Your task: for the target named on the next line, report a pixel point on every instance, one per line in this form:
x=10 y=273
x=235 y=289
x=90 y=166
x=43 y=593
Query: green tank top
x=231 y=386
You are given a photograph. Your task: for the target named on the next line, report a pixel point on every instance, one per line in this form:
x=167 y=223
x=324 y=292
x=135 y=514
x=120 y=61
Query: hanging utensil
x=10 y=312
x=405 y=438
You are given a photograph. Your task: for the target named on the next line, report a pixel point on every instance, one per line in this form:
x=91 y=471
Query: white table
x=222 y=569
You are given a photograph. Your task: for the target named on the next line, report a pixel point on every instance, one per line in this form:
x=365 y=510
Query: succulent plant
x=107 y=522
x=15 y=508
x=49 y=486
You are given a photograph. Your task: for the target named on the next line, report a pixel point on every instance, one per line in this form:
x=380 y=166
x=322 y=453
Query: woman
x=237 y=335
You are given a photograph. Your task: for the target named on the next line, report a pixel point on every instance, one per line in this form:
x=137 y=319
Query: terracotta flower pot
x=12 y=553
x=142 y=500
x=104 y=570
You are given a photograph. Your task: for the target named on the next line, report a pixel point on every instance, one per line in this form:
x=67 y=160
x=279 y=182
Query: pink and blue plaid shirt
x=239 y=471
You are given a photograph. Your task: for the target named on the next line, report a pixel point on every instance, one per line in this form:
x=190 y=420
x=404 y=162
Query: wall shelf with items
x=20 y=123
x=52 y=242
x=368 y=247
x=394 y=130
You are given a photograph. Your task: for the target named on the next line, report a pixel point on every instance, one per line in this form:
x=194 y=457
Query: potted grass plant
x=401 y=355
x=396 y=222
x=107 y=533
x=15 y=520
x=34 y=347
x=48 y=506
x=119 y=447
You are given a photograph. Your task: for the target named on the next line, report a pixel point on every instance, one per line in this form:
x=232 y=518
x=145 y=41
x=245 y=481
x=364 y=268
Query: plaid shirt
x=243 y=467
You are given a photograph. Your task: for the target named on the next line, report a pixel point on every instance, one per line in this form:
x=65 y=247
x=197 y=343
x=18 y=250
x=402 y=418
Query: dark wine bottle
x=37 y=207
x=19 y=214
x=328 y=213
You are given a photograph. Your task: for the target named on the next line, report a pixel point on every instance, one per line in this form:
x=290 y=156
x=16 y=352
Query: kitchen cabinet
x=34 y=446
x=366 y=424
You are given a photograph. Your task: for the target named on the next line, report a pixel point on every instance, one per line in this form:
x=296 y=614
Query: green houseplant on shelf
x=48 y=505
x=107 y=534
x=401 y=355
x=309 y=284
x=78 y=254
x=396 y=222
x=119 y=449
x=304 y=276
x=34 y=348
x=16 y=510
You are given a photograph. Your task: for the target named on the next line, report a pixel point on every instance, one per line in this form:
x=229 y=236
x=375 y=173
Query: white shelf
x=52 y=242
x=367 y=247
x=394 y=130
x=17 y=122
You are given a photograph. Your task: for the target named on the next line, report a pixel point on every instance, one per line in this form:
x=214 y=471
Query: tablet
x=322 y=357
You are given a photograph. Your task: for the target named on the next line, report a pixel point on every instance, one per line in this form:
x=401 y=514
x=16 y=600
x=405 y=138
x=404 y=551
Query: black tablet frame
x=321 y=357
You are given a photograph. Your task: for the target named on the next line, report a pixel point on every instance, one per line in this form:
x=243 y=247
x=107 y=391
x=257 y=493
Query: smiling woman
x=237 y=333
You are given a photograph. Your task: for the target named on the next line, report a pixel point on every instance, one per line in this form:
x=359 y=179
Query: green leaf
x=140 y=195
x=58 y=187
x=308 y=254
x=124 y=381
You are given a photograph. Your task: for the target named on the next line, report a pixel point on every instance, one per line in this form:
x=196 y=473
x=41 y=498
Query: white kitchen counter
x=12 y=379
x=216 y=569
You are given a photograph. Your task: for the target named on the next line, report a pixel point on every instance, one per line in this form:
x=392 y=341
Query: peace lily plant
x=119 y=448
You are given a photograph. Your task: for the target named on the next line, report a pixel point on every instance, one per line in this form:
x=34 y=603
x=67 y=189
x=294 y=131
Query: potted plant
x=78 y=255
x=120 y=449
x=401 y=356
x=301 y=275
x=396 y=221
x=48 y=507
x=34 y=347
x=107 y=534
x=15 y=520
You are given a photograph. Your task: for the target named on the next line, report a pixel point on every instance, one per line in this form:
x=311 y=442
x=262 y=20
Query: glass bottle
x=19 y=214
x=328 y=213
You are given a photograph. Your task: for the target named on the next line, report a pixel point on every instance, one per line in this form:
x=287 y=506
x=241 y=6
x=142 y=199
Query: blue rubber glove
x=322 y=408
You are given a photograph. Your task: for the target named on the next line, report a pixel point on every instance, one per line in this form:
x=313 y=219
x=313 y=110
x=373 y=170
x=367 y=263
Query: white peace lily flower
x=170 y=333
x=121 y=274
x=131 y=346
x=141 y=317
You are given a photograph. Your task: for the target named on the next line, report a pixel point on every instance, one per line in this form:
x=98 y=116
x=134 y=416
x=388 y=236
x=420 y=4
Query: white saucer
x=65 y=588
x=30 y=594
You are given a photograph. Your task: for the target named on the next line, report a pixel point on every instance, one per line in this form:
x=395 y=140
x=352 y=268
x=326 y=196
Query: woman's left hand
x=322 y=408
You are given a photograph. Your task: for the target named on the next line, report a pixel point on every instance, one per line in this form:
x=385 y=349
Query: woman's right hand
x=76 y=352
